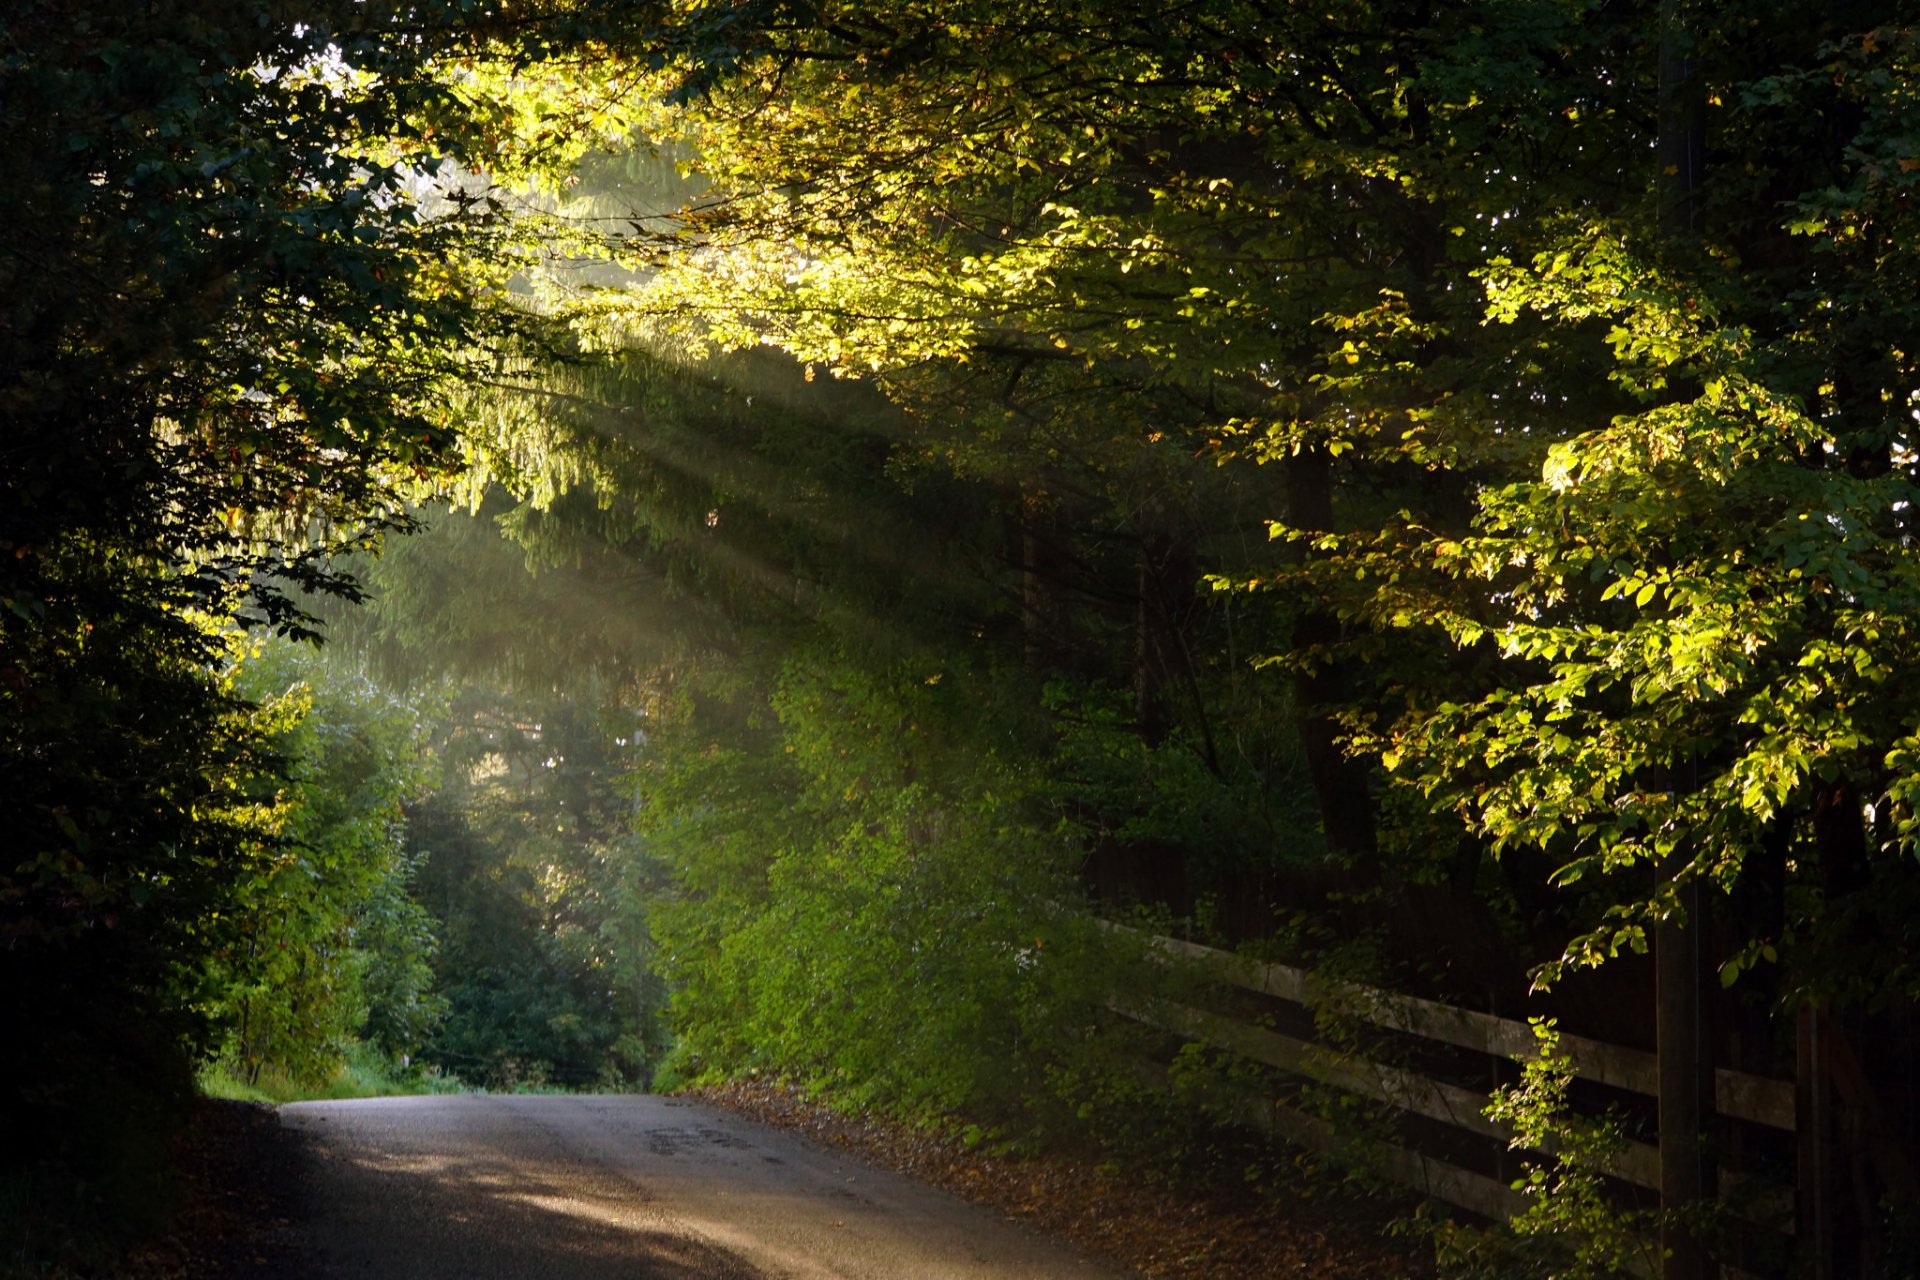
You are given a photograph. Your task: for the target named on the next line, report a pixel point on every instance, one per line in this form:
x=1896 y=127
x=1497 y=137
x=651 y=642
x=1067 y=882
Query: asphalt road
x=639 y=1188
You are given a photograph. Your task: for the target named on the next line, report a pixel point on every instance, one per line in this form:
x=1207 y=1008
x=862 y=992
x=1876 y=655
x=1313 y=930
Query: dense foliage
x=1578 y=401
x=335 y=948
x=233 y=302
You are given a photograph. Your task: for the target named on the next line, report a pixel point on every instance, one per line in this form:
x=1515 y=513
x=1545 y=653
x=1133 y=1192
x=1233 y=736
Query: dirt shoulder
x=237 y=1201
x=1299 y=1228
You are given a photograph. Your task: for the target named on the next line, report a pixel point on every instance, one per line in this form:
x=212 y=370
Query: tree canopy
x=1588 y=486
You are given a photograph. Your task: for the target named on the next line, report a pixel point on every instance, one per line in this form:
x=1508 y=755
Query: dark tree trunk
x=1046 y=561
x=1339 y=781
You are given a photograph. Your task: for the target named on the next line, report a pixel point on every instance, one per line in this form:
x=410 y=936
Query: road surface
x=639 y=1188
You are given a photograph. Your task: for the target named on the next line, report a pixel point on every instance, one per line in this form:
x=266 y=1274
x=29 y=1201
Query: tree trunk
x=1339 y=781
x=1686 y=1064
x=1685 y=1052
x=1045 y=562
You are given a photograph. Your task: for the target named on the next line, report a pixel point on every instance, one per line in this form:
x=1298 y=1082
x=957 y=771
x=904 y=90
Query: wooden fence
x=1788 y=1109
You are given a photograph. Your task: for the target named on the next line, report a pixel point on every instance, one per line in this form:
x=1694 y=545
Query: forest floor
x=236 y=1202
x=1300 y=1225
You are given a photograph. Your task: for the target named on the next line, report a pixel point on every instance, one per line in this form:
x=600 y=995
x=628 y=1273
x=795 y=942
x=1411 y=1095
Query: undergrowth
x=364 y=1072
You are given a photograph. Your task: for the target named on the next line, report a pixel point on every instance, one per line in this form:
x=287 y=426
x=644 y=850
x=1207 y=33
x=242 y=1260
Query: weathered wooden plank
x=1630 y=1069
x=1740 y=1095
x=1265 y=977
x=1755 y=1099
x=1462 y=1188
x=1449 y=1104
x=1637 y=1163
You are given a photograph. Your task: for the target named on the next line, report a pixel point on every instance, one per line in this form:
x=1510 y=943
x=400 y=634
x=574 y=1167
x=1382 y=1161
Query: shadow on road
x=486 y=1213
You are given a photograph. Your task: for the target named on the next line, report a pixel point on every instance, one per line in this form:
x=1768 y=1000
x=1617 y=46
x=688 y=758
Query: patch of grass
x=217 y=1080
x=364 y=1073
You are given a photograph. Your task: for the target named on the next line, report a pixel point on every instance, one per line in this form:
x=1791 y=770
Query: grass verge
x=363 y=1073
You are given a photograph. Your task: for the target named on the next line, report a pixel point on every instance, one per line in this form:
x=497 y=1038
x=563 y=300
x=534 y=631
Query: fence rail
x=1739 y=1095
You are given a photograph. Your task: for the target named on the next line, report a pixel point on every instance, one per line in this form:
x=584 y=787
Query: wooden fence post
x=1813 y=1142
x=1686 y=1083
